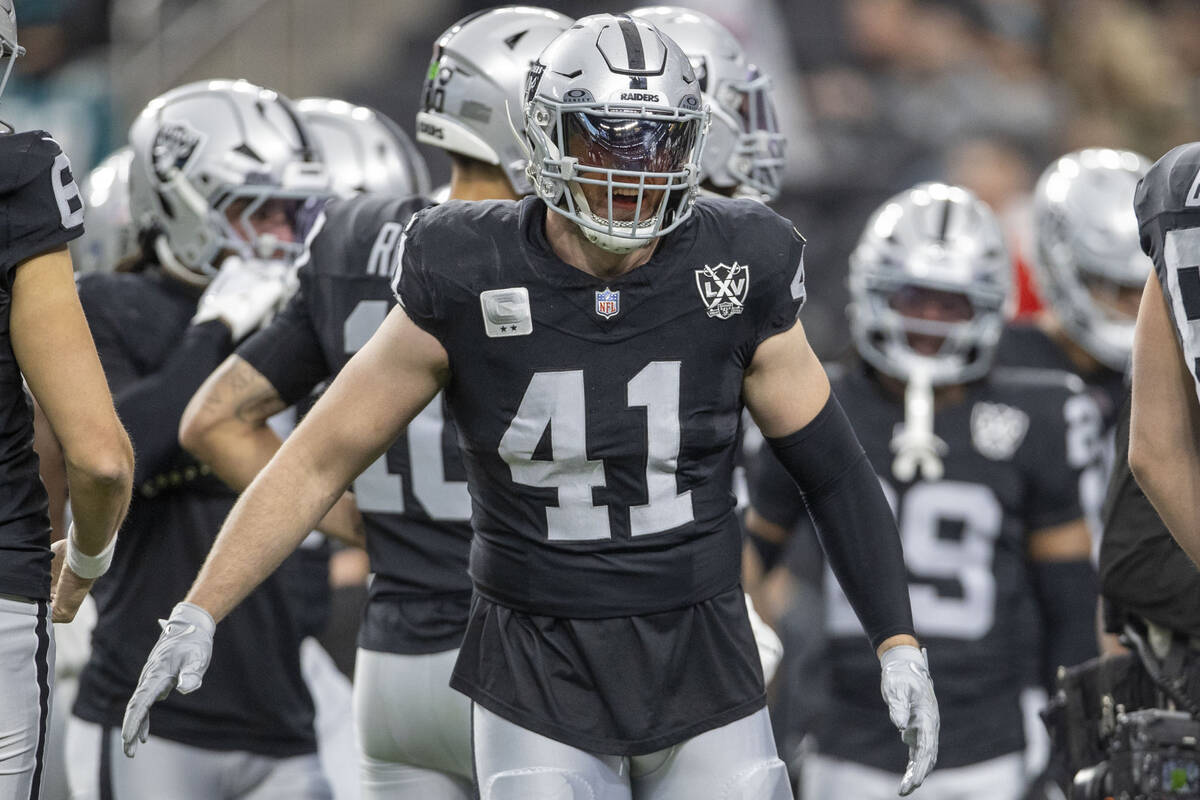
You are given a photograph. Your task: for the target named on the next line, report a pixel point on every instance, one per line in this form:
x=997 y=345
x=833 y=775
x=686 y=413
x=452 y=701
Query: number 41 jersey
x=40 y=210
x=599 y=418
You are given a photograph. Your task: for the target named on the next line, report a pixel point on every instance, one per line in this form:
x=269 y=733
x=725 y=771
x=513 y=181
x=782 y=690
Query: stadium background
x=874 y=94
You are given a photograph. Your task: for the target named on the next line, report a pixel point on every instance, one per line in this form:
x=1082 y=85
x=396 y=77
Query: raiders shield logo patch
x=172 y=149
x=723 y=289
x=997 y=430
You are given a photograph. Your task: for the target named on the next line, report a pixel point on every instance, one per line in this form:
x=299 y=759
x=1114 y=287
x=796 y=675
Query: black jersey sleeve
x=415 y=281
x=288 y=352
x=1063 y=440
x=40 y=205
x=1167 y=203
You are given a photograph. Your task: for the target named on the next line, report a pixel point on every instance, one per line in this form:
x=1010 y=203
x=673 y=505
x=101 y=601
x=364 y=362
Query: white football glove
x=177 y=661
x=908 y=691
x=770 y=648
x=244 y=294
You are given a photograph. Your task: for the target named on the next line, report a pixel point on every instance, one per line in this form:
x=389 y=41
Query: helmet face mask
x=1088 y=262
x=9 y=49
x=615 y=149
x=213 y=161
x=928 y=283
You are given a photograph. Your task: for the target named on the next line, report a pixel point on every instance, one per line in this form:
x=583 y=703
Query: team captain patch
x=723 y=289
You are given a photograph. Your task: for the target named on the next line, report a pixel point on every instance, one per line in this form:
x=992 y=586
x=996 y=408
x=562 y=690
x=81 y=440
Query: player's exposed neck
x=569 y=244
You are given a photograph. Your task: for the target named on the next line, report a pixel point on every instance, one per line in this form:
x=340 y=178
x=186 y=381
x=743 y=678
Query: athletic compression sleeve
x=853 y=519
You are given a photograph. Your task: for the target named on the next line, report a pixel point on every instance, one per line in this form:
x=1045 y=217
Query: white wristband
x=85 y=566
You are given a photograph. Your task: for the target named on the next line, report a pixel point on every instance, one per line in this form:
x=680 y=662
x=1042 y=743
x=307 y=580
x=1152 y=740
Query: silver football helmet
x=9 y=49
x=943 y=241
x=744 y=151
x=615 y=127
x=1087 y=246
x=363 y=150
x=471 y=103
x=210 y=155
x=111 y=237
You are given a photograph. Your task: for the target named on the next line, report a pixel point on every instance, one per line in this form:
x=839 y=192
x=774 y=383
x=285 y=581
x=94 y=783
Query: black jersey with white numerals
x=40 y=210
x=414 y=499
x=1015 y=446
x=599 y=420
x=1167 y=203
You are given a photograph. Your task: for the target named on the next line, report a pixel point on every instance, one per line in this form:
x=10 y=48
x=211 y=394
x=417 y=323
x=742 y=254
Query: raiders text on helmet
x=744 y=149
x=624 y=170
x=208 y=150
x=1087 y=243
x=938 y=237
x=471 y=103
x=363 y=150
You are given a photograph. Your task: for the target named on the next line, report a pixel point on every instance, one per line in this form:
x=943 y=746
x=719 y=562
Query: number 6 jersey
x=599 y=421
x=40 y=210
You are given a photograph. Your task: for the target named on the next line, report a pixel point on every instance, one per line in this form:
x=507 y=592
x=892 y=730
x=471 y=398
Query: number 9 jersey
x=41 y=211
x=599 y=422
x=1016 y=444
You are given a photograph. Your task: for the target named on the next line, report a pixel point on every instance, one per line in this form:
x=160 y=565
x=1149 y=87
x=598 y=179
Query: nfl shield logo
x=723 y=289
x=608 y=303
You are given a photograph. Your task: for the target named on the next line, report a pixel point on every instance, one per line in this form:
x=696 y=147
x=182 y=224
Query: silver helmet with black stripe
x=9 y=49
x=744 y=150
x=928 y=283
x=110 y=237
x=615 y=125
x=208 y=158
x=471 y=101
x=1089 y=262
x=363 y=150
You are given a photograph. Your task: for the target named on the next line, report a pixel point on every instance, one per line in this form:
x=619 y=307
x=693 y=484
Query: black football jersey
x=254 y=697
x=414 y=499
x=1167 y=203
x=599 y=421
x=40 y=211
x=1016 y=444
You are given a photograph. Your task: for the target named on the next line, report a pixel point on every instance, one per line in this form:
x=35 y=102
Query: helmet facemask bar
x=882 y=332
x=646 y=154
x=757 y=161
x=10 y=52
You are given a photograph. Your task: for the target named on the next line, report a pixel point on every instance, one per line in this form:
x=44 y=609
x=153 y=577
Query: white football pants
x=26 y=682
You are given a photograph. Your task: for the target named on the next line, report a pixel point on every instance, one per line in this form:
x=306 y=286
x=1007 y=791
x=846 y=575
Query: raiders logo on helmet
x=173 y=147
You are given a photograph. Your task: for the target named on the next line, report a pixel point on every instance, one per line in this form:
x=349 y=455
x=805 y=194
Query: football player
x=981 y=468
x=1164 y=436
x=744 y=148
x=596 y=344
x=1090 y=269
x=45 y=346
x=220 y=177
x=414 y=731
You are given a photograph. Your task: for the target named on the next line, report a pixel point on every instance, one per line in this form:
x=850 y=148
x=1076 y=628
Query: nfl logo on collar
x=608 y=303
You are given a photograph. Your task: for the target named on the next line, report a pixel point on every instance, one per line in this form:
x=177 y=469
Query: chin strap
x=916 y=446
x=175 y=267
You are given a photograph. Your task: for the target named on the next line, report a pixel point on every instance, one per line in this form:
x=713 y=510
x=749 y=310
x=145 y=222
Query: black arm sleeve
x=151 y=407
x=853 y=519
x=1066 y=592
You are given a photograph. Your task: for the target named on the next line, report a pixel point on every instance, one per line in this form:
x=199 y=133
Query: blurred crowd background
x=875 y=94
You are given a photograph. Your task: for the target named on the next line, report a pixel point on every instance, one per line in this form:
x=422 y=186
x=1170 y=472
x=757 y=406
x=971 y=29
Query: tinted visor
x=633 y=145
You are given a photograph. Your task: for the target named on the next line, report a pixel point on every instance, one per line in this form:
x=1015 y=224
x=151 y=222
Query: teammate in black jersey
x=413 y=729
x=595 y=345
x=220 y=175
x=981 y=466
x=45 y=346
x=1164 y=435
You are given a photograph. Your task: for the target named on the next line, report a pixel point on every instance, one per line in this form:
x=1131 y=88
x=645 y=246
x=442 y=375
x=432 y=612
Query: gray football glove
x=908 y=691
x=244 y=294
x=177 y=661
